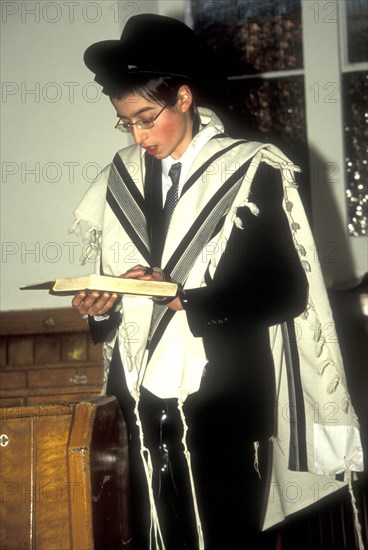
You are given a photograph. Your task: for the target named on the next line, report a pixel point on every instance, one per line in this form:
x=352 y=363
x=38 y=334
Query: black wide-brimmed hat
x=149 y=44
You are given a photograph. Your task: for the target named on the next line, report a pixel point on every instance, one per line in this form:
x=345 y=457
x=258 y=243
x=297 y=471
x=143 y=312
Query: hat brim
x=113 y=61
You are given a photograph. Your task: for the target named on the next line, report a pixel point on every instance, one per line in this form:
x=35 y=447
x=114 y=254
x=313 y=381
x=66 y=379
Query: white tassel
x=345 y=404
x=317 y=331
x=92 y=250
x=331 y=388
x=252 y=207
x=300 y=248
x=322 y=367
x=256 y=458
x=187 y=456
x=238 y=223
x=319 y=347
x=357 y=526
x=306 y=266
x=76 y=227
x=155 y=529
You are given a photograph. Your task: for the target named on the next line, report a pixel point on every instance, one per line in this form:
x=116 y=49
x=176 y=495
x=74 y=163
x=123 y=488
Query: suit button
x=217 y=321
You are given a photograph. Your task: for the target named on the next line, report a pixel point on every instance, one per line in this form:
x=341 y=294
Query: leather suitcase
x=64 y=477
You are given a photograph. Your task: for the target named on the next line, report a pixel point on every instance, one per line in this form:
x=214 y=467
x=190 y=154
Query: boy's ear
x=185 y=98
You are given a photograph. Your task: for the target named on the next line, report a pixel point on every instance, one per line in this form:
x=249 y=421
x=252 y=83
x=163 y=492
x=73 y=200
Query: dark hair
x=162 y=89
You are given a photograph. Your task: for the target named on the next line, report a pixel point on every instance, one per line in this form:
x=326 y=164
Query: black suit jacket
x=259 y=282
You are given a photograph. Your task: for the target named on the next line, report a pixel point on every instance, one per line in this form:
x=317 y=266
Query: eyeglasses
x=142 y=124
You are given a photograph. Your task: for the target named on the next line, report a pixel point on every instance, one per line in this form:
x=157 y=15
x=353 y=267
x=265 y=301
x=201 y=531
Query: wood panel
x=74 y=347
x=65 y=477
x=47 y=350
x=42 y=321
x=15 y=490
x=12 y=380
x=3 y=353
x=51 y=517
x=20 y=351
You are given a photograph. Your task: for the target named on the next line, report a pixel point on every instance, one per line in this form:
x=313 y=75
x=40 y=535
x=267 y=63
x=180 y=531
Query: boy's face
x=172 y=130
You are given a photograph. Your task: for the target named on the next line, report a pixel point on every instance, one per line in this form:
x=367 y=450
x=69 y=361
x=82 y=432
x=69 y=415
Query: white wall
x=57 y=130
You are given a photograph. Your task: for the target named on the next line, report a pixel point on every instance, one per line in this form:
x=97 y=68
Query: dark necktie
x=172 y=196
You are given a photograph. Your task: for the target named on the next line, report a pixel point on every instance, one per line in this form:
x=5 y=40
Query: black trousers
x=228 y=488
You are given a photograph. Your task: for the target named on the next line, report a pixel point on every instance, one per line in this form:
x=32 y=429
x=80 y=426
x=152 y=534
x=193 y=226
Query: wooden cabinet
x=64 y=477
x=47 y=356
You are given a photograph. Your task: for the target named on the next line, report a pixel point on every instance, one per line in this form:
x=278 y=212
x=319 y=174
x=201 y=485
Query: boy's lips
x=152 y=149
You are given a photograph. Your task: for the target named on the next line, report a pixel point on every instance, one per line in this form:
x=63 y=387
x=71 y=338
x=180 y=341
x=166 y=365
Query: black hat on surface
x=151 y=44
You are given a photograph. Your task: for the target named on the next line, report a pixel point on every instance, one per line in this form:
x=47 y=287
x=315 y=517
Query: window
x=298 y=75
x=355 y=111
x=260 y=46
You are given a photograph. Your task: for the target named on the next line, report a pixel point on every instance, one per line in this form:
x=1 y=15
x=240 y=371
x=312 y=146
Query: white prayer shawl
x=316 y=427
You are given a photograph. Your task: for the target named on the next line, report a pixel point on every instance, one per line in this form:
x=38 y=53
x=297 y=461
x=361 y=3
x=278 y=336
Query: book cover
x=102 y=283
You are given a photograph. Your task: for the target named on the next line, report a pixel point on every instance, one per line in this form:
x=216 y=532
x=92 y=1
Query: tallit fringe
x=155 y=530
x=288 y=168
x=252 y=207
x=256 y=458
x=325 y=361
x=192 y=486
x=322 y=350
x=92 y=247
x=76 y=227
x=155 y=534
x=357 y=526
x=232 y=218
x=107 y=351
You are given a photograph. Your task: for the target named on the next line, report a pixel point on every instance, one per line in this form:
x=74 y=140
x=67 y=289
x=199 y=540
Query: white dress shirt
x=186 y=160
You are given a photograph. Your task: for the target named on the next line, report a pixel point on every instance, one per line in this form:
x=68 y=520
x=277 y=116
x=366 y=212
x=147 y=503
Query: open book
x=102 y=283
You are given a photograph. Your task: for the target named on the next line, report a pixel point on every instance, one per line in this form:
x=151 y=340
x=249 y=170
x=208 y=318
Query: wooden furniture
x=64 y=477
x=47 y=356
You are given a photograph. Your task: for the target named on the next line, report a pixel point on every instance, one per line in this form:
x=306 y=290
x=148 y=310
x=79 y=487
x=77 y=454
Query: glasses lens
x=140 y=124
x=122 y=127
x=145 y=124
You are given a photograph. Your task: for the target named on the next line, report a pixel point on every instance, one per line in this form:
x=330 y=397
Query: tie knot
x=174 y=172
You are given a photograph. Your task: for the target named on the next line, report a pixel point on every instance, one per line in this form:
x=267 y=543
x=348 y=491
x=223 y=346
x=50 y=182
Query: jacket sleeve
x=259 y=278
x=100 y=330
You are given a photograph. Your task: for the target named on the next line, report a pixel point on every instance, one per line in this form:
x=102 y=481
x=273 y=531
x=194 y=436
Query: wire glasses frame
x=142 y=124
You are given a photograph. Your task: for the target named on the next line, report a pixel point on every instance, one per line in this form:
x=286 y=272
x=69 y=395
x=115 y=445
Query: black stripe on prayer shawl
x=297 y=451
x=128 y=180
x=221 y=135
x=128 y=227
x=216 y=207
x=133 y=210
x=198 y=173
x=154 y=213
x=190 y=247
x=128 y=205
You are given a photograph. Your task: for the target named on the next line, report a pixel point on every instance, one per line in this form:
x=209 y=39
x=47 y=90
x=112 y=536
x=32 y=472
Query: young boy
x=194 y=375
